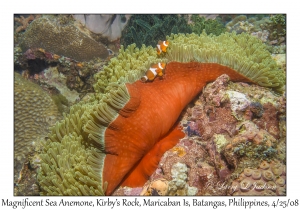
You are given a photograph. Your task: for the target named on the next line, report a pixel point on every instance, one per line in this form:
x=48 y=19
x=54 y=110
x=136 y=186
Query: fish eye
x=110 y=52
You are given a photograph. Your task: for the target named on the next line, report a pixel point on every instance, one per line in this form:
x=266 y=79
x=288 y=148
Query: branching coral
x=24 y=22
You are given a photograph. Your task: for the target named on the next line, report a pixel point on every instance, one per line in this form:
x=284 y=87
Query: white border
x=154 y=6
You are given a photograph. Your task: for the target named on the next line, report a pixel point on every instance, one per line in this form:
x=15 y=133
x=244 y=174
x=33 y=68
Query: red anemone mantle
x=136 y=140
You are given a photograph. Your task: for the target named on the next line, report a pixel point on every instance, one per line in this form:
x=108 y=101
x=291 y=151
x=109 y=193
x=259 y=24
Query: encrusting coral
x=120 y=146
x=61 y=38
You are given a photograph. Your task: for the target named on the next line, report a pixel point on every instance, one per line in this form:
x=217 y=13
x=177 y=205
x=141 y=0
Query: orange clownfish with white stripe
x=155 y=69
x=162 y=46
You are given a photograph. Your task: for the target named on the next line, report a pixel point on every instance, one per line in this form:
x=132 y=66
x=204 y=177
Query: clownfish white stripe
x=158 y=47
x=162 y=47
x=159 y=65
x=153 y=70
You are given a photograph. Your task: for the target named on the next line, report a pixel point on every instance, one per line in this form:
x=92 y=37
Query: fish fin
x=144 y=79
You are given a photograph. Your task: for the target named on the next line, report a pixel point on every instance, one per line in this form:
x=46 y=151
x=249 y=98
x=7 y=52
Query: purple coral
x=48 y=55
x=192 y=129
x=29 y=54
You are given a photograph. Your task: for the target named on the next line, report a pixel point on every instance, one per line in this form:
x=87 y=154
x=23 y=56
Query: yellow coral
x=179 y=150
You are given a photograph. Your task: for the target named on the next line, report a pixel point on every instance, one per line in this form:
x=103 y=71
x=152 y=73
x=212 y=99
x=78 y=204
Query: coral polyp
x=256 y=174
x=263 y=180
x=248 y=171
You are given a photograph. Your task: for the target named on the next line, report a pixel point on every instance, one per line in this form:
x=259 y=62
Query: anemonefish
x=155 y=69
x=162 y=46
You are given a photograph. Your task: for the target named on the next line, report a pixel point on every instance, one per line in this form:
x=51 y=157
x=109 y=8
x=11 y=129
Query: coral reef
x=62 y=38
x=182 y=172
x=251 y=143
x=27 y=185
x=238 y=101
x=103 y=158
x=198 y=24
x=34 y=113
x=277 y=27
x=271 y=117
x=203 y=162
x=128 y=191
x=109 y=26
x=248 y=23
x=17 y=55
x=66 y=80
x=235 y=20
x=280 y=60
x=53 y=77
x=262 y=35
x=178 y=184
x=271 y=29
x=240 y=24
x=156 y=187
x=148 y=29
x=34 y=60
x=24 y=22
x=268 y=179
x=203 y=48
